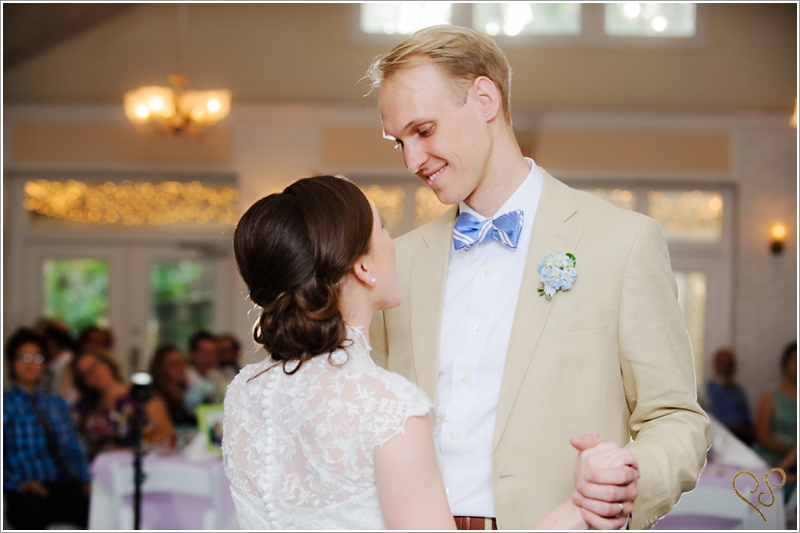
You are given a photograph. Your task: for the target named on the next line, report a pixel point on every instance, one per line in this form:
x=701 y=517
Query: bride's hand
x=605 y=477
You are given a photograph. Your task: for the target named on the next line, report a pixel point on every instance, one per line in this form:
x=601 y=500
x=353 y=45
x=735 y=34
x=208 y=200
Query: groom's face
x=444 y=139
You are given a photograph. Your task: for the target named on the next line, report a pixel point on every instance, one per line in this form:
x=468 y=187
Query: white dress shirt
x=480 y=299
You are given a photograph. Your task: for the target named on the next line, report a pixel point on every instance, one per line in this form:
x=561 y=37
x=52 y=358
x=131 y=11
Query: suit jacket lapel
x=426 y=298
x=551 y=233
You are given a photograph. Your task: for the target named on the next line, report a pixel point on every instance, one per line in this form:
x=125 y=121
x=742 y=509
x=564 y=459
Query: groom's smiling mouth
x=430 y=178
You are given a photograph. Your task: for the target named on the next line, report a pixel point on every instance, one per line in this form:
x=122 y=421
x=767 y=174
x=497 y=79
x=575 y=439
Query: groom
x=517 y=368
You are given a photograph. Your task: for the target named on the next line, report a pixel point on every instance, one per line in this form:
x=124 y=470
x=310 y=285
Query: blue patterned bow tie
x=505 y=228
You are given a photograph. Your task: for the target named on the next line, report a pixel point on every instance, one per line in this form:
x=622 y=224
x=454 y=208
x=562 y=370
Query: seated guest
x=169 y=384
x=228 y=354
x=45 y=470
x=207 y=385
x=60 y=351
x=776 y=419
x=96 y=338
x=727 y=400
x=104 y=411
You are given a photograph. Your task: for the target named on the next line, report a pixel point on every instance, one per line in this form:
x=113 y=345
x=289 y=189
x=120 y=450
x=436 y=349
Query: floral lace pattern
x=298 y=449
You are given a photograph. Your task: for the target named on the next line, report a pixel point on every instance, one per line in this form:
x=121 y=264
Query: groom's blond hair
x=463 y=54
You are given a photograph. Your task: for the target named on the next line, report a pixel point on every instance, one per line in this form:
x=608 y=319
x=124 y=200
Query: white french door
x=136 y=308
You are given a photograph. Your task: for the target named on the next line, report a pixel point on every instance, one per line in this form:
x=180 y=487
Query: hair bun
x=292 y=250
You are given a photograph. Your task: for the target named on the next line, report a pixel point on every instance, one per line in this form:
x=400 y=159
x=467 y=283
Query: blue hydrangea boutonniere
x=557 y=273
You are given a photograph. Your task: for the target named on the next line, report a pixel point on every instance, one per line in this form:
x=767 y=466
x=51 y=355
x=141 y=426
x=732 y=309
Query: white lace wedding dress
x=298 y=449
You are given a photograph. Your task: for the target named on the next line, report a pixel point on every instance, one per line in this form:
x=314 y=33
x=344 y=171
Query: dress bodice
x=298 y=448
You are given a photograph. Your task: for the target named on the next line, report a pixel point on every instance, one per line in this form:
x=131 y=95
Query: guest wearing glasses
x=45 y=470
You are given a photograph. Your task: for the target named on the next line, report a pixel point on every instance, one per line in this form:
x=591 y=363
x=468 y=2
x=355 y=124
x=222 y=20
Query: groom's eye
x=425 y=131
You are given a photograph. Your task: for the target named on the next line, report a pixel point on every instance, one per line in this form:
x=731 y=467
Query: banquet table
x=170 y=510
x=713 y=504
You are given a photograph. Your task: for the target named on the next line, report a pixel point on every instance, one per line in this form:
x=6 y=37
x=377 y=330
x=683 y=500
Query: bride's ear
x=362 y=272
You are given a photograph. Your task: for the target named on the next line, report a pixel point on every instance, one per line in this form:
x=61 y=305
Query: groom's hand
x=605 y=477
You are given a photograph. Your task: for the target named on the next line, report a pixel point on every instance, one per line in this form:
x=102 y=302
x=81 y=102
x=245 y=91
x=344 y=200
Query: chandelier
x=174 y=109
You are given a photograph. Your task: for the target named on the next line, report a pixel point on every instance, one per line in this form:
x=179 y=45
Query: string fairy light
x=132 y=204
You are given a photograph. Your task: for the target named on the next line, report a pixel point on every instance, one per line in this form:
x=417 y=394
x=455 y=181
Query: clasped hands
x=605 y=481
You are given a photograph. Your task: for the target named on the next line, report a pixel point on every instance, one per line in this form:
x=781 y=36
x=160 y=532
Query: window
x=622 y=198
x=426 y=206
x=698 y=228
x=517 y=24
x=402 y=203
x=650 y=19
x=692 y=290
x=524 y=18
x=687 y=216
x=181 y=301
x=403 y=17
x=390 y=202
x=76 y=292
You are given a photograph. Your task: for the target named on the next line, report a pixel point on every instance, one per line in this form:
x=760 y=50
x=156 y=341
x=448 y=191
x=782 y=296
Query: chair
x=166 y=477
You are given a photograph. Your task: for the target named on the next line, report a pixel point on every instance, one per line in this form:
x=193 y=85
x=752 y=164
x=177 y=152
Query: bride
x=316 y=436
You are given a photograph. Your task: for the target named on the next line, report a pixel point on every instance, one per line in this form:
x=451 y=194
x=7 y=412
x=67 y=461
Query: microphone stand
x=140 y=390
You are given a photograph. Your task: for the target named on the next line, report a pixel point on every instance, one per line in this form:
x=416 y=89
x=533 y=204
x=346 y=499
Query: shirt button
x=446 y=490
x=478 y=328
x=464 y=380
x=453 y=435
x=487 y=272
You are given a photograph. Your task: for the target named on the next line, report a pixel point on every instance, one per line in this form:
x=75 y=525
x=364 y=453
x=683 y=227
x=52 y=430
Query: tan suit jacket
x=611 y=354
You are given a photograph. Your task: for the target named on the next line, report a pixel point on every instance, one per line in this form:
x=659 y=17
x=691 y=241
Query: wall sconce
x=778 y=237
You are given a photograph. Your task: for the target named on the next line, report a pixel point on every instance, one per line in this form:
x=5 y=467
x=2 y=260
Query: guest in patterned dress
x=104 y=411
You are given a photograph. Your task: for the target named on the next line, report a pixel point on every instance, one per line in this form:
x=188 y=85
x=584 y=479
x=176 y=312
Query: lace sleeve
x=388 y=411
x=239 y=424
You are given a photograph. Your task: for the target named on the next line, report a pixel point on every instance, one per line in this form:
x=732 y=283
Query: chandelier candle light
x=172 y=108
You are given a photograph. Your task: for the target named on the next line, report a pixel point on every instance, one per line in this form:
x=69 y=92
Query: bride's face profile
x=383 y=265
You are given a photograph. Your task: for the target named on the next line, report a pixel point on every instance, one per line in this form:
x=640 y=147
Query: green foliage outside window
x=76 y=292
x=182 y=300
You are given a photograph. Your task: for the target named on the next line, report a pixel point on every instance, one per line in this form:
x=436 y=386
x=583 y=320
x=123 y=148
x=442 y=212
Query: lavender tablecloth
x=161 y=511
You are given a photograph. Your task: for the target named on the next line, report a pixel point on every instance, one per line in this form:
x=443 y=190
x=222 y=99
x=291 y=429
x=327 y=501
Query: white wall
x=765 y=168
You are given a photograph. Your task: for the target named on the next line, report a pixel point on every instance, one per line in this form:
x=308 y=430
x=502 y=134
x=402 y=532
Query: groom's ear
x=487 y=96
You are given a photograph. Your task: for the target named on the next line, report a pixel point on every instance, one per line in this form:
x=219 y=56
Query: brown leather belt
x=475 y=522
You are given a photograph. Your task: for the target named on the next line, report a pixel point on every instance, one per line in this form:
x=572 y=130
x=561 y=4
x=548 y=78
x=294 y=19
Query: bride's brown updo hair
x=292 y=249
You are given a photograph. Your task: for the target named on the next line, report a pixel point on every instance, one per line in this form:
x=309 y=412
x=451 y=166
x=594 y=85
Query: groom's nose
x=414 y=157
